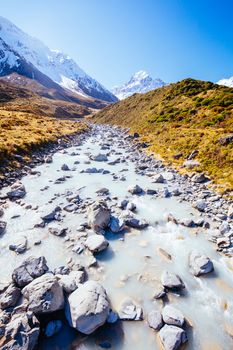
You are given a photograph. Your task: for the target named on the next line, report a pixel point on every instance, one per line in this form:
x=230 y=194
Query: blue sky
x=112 y=39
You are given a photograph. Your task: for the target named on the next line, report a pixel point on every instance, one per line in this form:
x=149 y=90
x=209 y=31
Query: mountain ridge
x=140 y=82
x=20 y=53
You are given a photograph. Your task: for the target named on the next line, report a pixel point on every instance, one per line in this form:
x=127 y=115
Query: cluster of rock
x=35 y=291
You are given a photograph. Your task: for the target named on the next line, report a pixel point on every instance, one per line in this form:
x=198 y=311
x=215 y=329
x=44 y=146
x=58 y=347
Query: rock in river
x=200 y=264
x=19 y=246
x=17 y=191
x=99 y=158
x=44 y=294
x=172 y=337
x=29 y=269
x=96 y=243
x=155 y=320
x=172 y=316
x=87 y=307
x=98 y=216
x=135 y=189
x=131 y=312
x=171 y=280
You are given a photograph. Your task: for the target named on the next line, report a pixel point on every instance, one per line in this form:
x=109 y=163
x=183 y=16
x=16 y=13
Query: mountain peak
x=140 y=75
x=140 y=82
x=19 y=49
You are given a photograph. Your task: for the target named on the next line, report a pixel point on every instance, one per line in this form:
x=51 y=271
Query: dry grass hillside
x=29 y=121
x=179 y=118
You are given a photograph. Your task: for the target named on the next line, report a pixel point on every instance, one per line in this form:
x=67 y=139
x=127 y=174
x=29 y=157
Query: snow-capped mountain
x=140 y=82
x=18 y=49
x=226 y=82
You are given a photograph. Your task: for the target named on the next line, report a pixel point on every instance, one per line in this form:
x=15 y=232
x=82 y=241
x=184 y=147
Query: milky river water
x=132 y=265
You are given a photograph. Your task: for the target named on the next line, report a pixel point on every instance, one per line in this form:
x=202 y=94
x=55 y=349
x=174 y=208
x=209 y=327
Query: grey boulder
x=98 y=215
x=172 y=337
x=96 y=243
x=135 y=189
x=87 y=307
x=172 y=316
x=130 y=311
x=29 y=269
x=17 y=191
x=9 y=297
x=171 y=281
x=155 y=320
x=44 y=294
x=19 y=246
x=200 y=264
x=71 y=281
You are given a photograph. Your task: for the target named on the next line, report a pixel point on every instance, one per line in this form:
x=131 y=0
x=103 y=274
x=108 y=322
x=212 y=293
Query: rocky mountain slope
x=140 y=82
x=187 y=121
x=29 y=57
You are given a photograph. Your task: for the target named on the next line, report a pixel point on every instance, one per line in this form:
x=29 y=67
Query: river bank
x=150 y=242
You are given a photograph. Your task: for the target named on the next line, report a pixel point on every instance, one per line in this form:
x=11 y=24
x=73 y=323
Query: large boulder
x=96 y=243
x=9 y=297
x=200 y=264
x=98 y=216
x=87 y=307
x=21 y=332
x=172 y=316
x=29 y=269
x=17 y=191
x=171 y=280
x=44 y=294
x=172 y=337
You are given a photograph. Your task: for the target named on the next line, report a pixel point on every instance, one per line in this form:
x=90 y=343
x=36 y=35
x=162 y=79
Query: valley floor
x=158 y=242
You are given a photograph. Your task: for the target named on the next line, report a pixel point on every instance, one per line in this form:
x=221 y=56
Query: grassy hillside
x=29 y=121
x=179 y=118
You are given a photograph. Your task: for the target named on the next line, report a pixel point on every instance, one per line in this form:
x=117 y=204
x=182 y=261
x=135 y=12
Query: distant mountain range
x=29 y=57
x=226 y=82
x=140 y=82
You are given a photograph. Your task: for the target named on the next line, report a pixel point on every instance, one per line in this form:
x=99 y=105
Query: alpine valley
x=116 y=208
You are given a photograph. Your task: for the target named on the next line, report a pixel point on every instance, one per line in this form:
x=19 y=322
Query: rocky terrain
x=103 y=246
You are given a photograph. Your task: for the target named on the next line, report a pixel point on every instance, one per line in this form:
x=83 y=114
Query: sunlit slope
x=179 y=118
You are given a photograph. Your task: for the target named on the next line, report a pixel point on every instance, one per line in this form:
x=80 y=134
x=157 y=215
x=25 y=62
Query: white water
x=130 y=268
